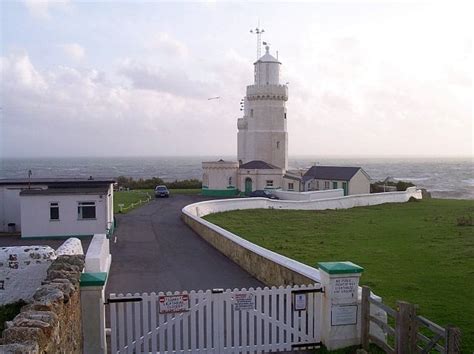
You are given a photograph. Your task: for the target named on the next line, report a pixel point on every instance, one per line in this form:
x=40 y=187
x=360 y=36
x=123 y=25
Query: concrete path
x=156 y=251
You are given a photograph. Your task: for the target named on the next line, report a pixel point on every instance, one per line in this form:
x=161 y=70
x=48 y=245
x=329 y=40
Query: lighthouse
x=262 y=132
x=262 y=140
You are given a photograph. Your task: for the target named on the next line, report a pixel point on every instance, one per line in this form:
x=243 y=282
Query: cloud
x=66 y=111
x=163 y=43
x=172 y=81
x=74 y=51
x=42 y=8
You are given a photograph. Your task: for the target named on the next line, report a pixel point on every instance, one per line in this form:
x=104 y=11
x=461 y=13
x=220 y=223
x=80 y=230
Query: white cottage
x=59 y=208
x=353 y=180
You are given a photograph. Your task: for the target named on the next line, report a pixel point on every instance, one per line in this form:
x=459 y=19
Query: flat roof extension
x=70 y=182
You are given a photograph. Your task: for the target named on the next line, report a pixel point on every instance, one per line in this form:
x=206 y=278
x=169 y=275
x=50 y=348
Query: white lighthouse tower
x=262 y=134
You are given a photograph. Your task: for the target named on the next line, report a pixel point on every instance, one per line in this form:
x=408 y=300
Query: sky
x=131 y=78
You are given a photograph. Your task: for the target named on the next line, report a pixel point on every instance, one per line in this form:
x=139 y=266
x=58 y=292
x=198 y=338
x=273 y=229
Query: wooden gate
x=231 y=321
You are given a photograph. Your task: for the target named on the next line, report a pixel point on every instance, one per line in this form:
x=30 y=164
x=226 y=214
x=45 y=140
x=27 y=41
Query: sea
x=451 y=178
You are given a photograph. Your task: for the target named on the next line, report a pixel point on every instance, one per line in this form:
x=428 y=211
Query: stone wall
x=51 y=323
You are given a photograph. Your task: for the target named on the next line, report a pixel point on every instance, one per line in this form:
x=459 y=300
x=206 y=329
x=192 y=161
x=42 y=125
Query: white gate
x=232 y=321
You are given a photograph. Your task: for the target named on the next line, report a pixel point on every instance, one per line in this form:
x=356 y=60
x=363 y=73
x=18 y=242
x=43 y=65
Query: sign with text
x=244 y=301
x=174 y=303
x=299 y=302
x=342 y=315
x=344 y=288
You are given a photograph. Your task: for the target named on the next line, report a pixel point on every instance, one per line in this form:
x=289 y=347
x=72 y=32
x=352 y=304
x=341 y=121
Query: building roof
x=292 y=176
x=65 y=191
x=267 y=57
x=258 y=165
x=340 y=173
x=70 y=182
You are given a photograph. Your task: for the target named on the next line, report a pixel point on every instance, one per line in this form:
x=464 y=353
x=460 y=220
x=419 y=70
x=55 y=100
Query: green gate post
x=340 y=320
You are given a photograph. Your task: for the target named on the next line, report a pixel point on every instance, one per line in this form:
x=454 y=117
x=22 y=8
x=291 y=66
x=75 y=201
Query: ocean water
x=444 y=178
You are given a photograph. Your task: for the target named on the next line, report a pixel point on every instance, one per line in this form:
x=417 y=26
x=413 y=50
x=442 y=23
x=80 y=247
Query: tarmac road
x=156 y=251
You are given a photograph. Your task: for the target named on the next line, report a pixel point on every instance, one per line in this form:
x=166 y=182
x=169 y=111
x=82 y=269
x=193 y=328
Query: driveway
x=156 y=251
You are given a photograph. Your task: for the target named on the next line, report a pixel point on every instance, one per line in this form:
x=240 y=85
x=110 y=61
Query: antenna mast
x=258 y=31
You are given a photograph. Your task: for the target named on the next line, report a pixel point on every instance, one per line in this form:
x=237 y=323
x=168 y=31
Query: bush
x=151 y=183
x=402 y=186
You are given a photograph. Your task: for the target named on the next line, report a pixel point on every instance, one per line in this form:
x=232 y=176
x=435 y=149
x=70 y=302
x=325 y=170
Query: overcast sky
x=132 y=78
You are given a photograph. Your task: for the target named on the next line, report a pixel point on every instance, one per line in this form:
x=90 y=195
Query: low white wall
x=98 y=257
x=312 y=195
x=351 y=201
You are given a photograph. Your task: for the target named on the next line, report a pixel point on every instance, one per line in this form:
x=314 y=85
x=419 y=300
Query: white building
x=353 y=180
x=58 y=208
x=262 y=139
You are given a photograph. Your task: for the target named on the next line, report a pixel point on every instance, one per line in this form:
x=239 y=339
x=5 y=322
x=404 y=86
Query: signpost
x=174 y=303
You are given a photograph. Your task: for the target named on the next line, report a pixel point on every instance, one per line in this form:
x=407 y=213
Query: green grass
x=185 y=191
x=129 y=197
x=413 y=251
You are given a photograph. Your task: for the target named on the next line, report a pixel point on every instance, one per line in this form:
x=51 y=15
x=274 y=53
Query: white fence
x=253 y=320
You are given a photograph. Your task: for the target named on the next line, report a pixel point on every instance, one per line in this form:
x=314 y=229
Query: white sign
x=344 y=288
x=299 y=302
x=244 y=301
x=174 y=303
x=343 y=315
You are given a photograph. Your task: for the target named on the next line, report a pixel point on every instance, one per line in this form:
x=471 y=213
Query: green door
x=248 y=185
x=344 y=186
x=334 y=185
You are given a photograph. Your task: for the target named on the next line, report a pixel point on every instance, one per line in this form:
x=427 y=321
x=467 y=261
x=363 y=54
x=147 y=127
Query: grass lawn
x=413 y=251
x=133 y=196
x=129 y=197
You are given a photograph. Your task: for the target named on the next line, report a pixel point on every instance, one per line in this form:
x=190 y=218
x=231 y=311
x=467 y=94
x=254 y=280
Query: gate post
x=93 y=312
x=93 y=282
x=340 y=312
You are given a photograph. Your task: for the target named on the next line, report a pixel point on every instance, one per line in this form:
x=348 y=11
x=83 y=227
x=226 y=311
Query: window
x=291 y=186
x=230 y=181
x=285 y=115
x=317 y=185
x=326 y=184
x=54 y=211
x=251 y=112
x=86 y=210
x=278 y=144
x=269 y=183
x=334 y=185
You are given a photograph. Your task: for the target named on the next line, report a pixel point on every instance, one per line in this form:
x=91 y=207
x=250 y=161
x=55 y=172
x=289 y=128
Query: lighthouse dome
x=267 y=69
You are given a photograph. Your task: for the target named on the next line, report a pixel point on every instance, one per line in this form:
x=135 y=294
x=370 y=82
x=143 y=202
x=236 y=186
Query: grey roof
x=258 y=165
x=70 y=182
x=339 y=173
x=65 y=191
x=293 y=177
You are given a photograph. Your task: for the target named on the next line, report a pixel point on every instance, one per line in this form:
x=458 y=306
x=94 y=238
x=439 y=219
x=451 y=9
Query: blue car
x=162 y=192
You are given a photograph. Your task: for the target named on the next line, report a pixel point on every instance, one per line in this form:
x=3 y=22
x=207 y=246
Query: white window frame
x=86 y=204
x=268 y=183
x=56 y=206
x=326 y=185
x=291 y=186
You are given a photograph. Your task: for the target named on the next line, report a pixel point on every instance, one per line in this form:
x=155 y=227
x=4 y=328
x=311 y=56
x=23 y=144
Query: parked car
x=263 y=194
x=162 y=191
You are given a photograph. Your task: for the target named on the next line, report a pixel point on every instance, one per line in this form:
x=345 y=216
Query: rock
x=29 y=347
x=72 y=246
